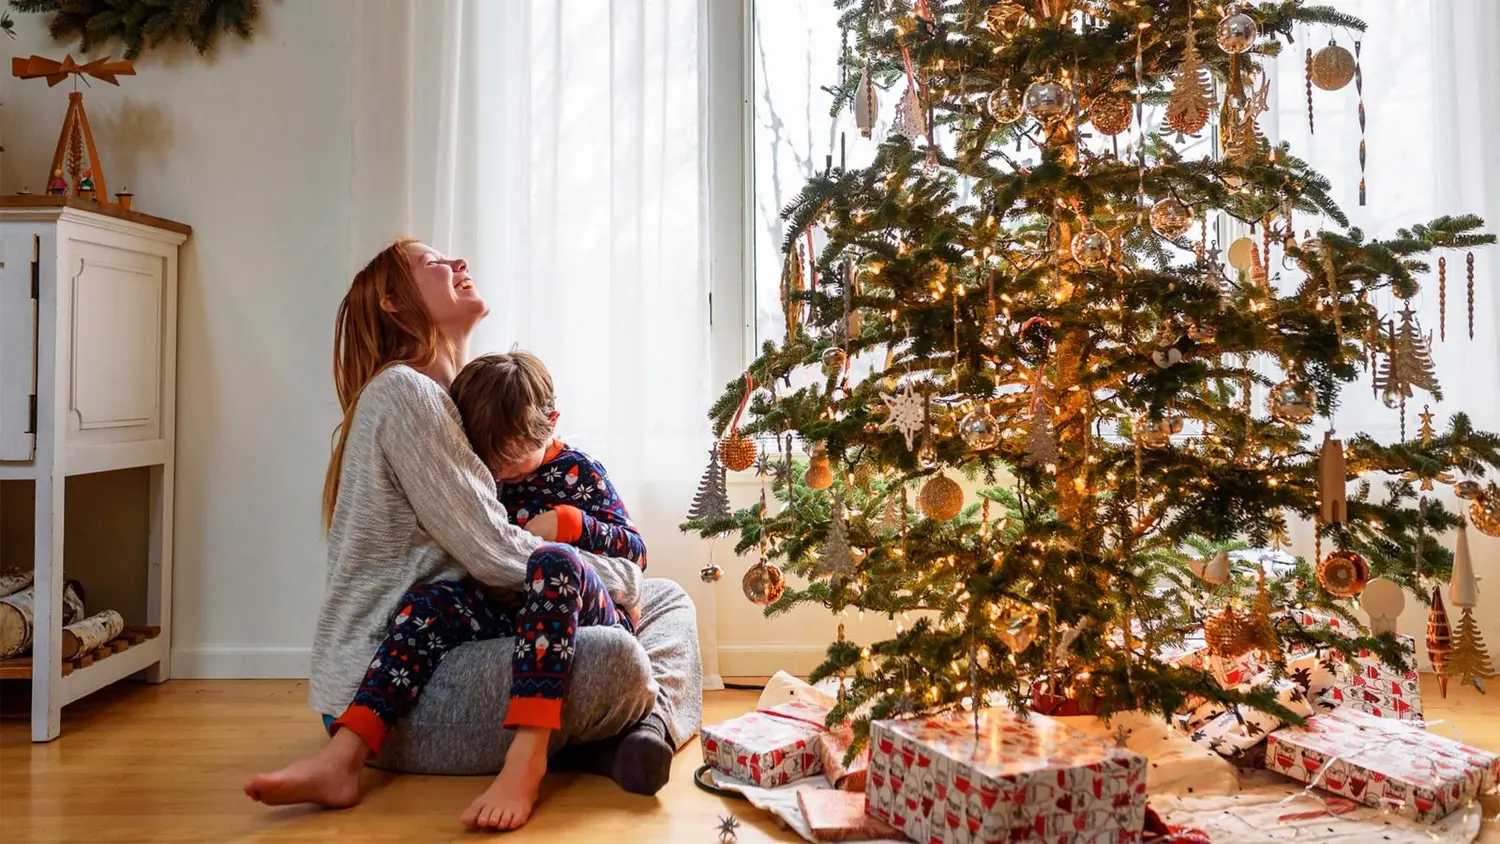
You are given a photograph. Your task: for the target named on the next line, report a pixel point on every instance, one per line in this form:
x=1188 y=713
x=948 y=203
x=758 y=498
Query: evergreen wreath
x=144 y=23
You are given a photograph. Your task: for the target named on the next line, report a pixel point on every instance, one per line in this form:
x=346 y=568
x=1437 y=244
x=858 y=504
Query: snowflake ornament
x=906 y=413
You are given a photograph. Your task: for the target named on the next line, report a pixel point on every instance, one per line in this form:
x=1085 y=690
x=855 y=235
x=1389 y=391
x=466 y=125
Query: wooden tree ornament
x=75 y=136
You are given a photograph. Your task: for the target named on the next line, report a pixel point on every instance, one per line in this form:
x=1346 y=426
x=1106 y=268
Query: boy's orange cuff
x=534 y=712
x=363 y=722
x=569 y=523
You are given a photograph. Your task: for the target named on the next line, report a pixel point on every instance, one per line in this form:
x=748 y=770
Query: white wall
x=250 y=148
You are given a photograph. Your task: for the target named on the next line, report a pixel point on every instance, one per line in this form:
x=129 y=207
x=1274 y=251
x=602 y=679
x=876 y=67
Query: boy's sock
x=638 y=759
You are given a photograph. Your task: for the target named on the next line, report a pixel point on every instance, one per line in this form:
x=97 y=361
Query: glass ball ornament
x=1048 y=99
x=1091 y=247
x=1391 y=397
x=1333 y=67
x=1293 y=402
x=1155 y=433
x=927 y=455
x=711 y=573
x=1005 y=106
x=993 y=332
x=763 y=584
x=980 y=429
x=834 y=361
x=1237 y=33
x=1170 y=218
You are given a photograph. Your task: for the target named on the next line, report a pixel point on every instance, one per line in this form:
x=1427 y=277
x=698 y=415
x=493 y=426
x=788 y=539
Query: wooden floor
x=139 y=763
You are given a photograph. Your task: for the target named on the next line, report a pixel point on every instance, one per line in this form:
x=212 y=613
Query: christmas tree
x=1469 y=660
x=1056 y=325
x=141 y=23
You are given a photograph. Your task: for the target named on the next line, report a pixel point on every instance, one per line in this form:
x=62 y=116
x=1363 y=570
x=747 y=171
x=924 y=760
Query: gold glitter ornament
x=1484 y=513
x=1110 y=113
x=941 y=498
x=1293 y=402
x=1332 y=67
x=1004 y=20
x=1170 y=218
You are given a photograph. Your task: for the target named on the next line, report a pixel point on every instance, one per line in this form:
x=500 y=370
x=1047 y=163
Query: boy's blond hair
x=506 y=404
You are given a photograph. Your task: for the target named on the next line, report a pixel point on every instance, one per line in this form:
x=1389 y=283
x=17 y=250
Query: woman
x=407 y=501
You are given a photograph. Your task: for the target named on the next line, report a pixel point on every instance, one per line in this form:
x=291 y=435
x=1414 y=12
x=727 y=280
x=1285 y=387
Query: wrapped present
x=832 y=747
x=835 y=815
x=1368 y=684
x=1193 y=653
x=768 y=747
x=1022 y=778
x=1383 y=763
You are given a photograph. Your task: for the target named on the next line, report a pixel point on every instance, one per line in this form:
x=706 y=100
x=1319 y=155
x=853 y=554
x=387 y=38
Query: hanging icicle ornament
x=866 y=107
x=737 y=450
x=1192 y=91
x=1442 y=298
x=1469 y=262
x=1333 y=506
x=793 y=283
x=1359 y=87
x=1439 y=639
x=1309 y=91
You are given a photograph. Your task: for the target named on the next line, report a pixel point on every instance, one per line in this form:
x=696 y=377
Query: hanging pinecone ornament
x=1439 y=639
x=711 y=504
x=1228 y=632
x=1192 y=91
x=737 y=450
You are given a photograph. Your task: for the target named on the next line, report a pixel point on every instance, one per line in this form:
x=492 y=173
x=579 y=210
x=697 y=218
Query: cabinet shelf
x=19 y=668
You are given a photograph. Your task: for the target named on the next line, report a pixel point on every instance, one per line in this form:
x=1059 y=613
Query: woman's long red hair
x=381 y=322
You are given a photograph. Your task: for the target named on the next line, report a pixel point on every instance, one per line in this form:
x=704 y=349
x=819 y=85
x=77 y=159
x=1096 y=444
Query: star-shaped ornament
x=906 y=413
x=727 y=827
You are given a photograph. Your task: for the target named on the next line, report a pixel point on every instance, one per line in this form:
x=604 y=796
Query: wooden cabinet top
x=108 y=209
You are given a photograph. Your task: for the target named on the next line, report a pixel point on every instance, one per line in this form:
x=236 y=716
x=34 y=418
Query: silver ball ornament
x=980 y=429
x=834 y=361
x=1237 y=33
x=710 y=573
x=1005 y=106
x=1048 y=100
x=1293 y=402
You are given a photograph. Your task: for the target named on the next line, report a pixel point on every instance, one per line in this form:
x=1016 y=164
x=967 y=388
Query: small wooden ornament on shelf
x=75 y=138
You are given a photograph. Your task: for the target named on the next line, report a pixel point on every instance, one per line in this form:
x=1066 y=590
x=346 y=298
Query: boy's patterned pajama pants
x=561 y=594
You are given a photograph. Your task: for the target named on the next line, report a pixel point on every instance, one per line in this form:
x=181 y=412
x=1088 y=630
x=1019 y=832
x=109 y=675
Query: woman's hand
x=543 y=525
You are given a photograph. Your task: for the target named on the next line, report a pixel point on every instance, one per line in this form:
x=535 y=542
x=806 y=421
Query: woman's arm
x=421 y=436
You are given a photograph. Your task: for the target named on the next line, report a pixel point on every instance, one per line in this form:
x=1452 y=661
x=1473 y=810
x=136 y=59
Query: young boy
x=560 y=494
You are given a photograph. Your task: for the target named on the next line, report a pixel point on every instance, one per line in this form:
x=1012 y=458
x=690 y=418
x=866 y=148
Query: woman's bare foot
x=329 y=777
x=508 y=802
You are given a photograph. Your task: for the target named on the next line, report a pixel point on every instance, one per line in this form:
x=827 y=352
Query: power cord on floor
x=752 y=687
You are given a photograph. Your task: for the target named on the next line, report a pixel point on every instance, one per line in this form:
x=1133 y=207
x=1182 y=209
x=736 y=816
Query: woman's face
x=446 y=289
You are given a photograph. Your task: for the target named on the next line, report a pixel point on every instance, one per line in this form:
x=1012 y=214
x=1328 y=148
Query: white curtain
x=1432 y=104
x=558 y=146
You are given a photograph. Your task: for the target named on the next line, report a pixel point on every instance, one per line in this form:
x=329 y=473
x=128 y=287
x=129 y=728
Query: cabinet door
x=18 y=279
x=116 y=366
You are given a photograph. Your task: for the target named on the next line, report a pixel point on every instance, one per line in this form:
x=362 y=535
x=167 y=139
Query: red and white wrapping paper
x=832 y=746
x=1024 y=778
x=767 y=747
x=1383 y=763
x=1370 y=685
x=834 y=815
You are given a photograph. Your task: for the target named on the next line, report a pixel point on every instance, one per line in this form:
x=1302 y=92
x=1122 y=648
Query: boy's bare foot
x=508 y=802
x=329 y=777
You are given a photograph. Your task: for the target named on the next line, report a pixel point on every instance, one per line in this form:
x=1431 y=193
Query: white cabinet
x=88 y=345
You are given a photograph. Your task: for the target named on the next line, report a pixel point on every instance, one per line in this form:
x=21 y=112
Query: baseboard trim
x=240 y=663
x=762 y=659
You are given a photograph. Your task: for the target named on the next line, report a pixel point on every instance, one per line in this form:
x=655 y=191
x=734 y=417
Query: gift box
x=832 y=747
x=1367 y=684
x=1193 y=653
x=1020 y=778
x=1383 y=763
x=768 y=747
x=835 y=815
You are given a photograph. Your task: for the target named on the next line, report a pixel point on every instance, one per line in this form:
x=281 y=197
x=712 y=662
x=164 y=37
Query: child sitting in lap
x=556 y=492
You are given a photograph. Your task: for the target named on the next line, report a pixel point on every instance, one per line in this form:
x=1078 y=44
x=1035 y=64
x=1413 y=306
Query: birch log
x=17 y=612
x=83 y=636
x=14 y=580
